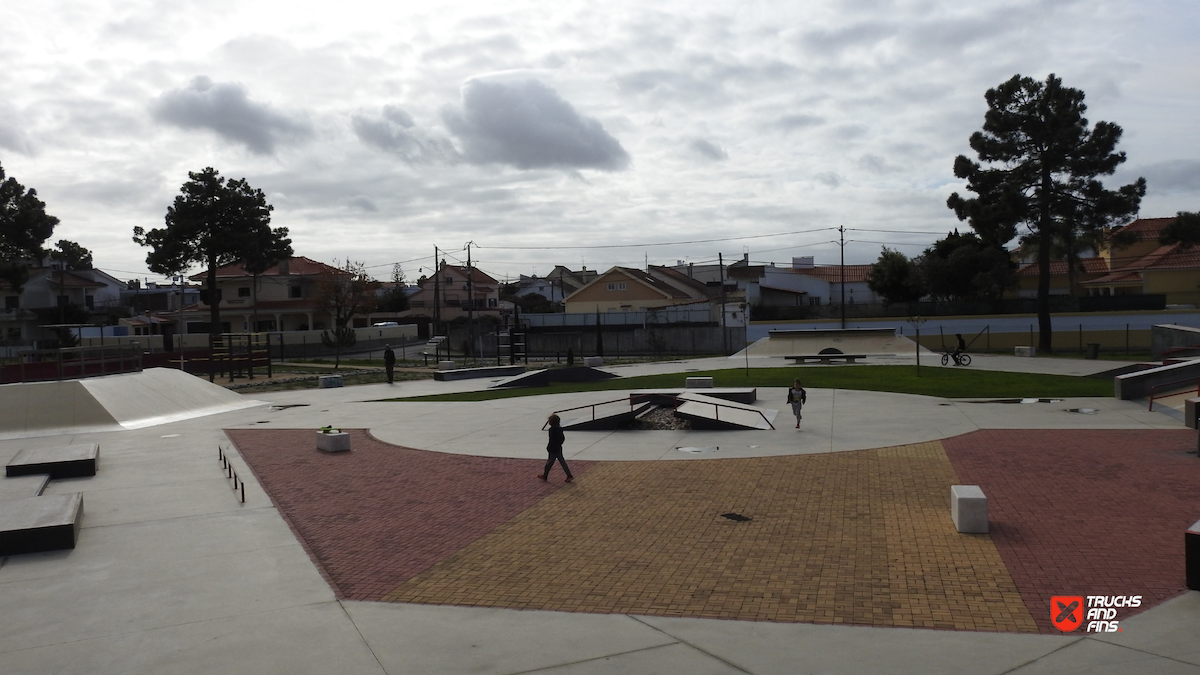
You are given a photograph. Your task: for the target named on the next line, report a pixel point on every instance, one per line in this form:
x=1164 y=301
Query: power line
x=661 y=243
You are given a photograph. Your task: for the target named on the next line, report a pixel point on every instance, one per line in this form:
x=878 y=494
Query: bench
x=825 y=358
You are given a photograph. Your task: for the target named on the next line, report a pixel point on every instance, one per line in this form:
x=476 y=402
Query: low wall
x=1138 y=385
x=1168 y=337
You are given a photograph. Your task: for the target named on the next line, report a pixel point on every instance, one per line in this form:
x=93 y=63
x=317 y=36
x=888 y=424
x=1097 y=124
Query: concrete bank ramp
x=707 y=412
x=848 y=341
x=129 y=401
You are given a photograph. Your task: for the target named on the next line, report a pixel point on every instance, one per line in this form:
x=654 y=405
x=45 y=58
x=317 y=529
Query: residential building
x=456 y=288
x=47 y=289
x=803 y=284
x=286 y=297
x=556 y=285
x=625 y=289
x=1144 y=266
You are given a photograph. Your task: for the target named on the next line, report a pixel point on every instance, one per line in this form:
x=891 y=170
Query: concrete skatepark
x=174 y=574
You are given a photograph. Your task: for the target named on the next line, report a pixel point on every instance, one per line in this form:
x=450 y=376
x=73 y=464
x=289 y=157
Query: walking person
x=797 y=397
x=555 y=448
x=389 y=361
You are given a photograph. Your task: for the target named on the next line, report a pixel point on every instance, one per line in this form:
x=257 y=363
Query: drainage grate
x=737 y=517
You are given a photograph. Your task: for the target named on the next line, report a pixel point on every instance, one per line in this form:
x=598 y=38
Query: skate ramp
x=848 y=341
x=129 y=401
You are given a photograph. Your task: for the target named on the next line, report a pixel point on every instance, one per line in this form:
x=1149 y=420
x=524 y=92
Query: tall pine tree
x=1038 y=168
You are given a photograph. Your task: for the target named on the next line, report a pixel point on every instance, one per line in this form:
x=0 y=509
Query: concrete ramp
x=541 y=378
x=129 y=401
x=848 y=341
x=707 y=412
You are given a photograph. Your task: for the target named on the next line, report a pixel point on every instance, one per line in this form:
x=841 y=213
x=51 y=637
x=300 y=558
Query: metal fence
x=71 y=363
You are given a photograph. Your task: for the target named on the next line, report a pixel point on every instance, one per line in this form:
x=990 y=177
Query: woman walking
x=797 y=397
x=555 y=448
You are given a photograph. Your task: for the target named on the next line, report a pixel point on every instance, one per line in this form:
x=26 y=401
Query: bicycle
x=963 y=359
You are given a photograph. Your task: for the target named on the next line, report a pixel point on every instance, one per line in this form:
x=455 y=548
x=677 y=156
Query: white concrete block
x=447 y=365
x=329 y=381
x=1025 y=351
x=968 y=509
x=593 y=361
x=699 y=383
x=339 y=442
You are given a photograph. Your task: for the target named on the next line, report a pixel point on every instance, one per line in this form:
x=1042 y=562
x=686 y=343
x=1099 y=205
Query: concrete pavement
x=173 y=574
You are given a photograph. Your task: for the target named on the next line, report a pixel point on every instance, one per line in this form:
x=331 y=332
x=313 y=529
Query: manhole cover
x=736 y=517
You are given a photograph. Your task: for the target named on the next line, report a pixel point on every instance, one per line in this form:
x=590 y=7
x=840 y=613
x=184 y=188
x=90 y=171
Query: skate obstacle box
x=45 y=522
x=969 y=509
x=42 y=523
x=68 y=461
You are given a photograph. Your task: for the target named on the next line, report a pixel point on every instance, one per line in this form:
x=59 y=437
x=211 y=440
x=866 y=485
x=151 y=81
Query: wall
x=1167 y=337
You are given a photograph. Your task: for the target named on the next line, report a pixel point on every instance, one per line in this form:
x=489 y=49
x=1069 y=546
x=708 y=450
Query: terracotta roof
x=296 y=266
x=1168 y=257
x=1147 y=228
x=1059 y=267
x=833 y=273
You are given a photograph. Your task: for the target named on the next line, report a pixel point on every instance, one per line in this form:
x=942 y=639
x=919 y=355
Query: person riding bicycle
x=958 y=351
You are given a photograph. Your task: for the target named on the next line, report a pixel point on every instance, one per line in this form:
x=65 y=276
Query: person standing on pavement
x=797 y=397
x=555 y=448
x=389 y=361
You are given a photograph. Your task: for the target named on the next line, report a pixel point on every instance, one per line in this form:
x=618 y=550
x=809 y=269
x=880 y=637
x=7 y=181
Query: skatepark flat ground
x=173 y=574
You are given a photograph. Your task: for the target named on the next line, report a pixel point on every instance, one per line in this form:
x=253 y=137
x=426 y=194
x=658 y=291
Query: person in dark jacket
x=555 y=448
x=389 y=361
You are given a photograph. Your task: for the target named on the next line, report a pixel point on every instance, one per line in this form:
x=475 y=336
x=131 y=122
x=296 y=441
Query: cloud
x=528 y=125
x=395 y=132
x=798 y=121
x=364 y=203
x=1177 y=175
x=11 y=135
x=226 y=109
x=708 y=150
x=828 y=178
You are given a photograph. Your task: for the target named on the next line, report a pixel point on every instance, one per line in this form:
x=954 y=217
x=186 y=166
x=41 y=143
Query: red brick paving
x=379 y=515
x=1078 y=512
x=1086 y=512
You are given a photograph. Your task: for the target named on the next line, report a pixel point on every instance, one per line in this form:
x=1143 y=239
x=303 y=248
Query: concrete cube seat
x=67 y=461
x=968 y=509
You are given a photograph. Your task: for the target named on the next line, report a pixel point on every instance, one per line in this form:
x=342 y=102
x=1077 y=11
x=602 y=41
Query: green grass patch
x=941 y=382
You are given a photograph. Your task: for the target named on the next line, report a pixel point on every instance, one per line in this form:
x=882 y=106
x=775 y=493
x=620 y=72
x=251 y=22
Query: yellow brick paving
x=859 y=537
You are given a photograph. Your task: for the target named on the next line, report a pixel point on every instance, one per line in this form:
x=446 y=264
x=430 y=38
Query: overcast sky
x=567 y=132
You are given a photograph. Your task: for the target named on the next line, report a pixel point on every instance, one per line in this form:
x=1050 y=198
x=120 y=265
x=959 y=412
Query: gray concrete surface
x=172 y=574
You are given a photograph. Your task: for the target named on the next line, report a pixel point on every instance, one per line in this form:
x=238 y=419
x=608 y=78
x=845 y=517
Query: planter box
x=339 y=442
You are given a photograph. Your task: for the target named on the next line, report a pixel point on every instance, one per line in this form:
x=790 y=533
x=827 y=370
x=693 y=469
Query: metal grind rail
x=230 y=473
x=1192 y=383
x=717 y=409
x=678 y=401
x=593 y=407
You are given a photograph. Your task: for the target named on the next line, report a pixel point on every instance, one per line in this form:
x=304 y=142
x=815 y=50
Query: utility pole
x=842 y=244
x=470 y=300
x=724 y=331
x=437 y=292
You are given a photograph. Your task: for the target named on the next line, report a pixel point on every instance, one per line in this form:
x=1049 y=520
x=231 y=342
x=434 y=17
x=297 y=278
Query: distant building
x=286 y=297
x=46 y=290
x=803 y=284
x=625 y=289
x=455 y=290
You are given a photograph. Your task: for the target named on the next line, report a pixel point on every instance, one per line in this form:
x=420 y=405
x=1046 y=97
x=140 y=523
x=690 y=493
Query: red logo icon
x=1066 y=612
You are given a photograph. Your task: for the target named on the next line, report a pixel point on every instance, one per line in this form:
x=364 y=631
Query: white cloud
x=528 y=125
x=226 y=109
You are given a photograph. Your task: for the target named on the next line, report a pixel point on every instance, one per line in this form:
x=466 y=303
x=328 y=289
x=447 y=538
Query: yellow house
x=1144 y=266
x=624 y=289
x=1060 y=281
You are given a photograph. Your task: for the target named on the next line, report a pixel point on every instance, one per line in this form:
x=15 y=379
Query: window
x=89 y=301
x=294 y=291
x=492 y=302
x=618 y=286
x=243 y=291
x=815 y=301
x=12 y=302
x=14 y=333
